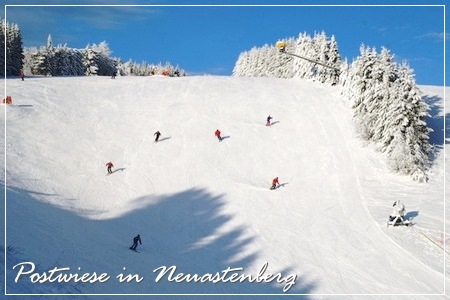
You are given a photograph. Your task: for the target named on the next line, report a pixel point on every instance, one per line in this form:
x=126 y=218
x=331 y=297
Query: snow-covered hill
x=205 y=206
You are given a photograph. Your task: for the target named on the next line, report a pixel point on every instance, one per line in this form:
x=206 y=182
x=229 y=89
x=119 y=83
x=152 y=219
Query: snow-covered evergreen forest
x=268 y=61
x=387 y=105
x=95 y=59
x=61 y=60
x=389 y=110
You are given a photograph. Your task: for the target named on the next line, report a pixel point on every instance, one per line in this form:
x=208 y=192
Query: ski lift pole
x=282 y=48
x=312 y=60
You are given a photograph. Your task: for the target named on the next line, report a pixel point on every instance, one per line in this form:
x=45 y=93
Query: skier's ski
x=134 y=250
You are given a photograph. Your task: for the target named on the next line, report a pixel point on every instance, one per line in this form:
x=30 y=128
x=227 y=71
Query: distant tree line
x=388 y=109
x=60 y=60
x=91 y=61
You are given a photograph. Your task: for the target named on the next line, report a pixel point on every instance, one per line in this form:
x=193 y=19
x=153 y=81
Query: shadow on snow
x=436 y=120
x=186 y=229
x=164 y=139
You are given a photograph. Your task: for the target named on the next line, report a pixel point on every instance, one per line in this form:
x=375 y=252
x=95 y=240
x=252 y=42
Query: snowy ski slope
x=203 y=205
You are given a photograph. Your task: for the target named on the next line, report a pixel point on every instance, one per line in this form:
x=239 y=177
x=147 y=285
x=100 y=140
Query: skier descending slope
x=136 y=240
x=268 y=120
x=275 y=183
x=217 y=134
x=157 y=136
x=109 y=165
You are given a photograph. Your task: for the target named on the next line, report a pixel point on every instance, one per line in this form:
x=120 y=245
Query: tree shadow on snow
x=447 y=129
x=436 y=120
x=188 y=229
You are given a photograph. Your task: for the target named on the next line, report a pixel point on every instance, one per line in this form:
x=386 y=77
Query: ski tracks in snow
x=361 y=230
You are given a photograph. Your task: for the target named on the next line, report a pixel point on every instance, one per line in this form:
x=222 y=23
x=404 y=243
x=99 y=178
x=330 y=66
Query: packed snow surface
x=205 y=206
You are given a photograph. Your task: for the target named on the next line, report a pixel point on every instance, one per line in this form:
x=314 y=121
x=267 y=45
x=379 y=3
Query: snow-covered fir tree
x=40 y=62
x=67 y=62
x=49 y=41
x=2 y=46
x=27 y=59
x=305 y=48
x=51 y=61
x=333 y=59
x=359 y=88
x=106 y=66
x=260 y=61
x=384 y=76
x=90 y=61
x=407 y=136
x=10 y=33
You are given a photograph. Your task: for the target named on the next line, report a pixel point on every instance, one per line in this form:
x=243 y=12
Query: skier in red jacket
x=217 y=134
x=274 y=183
x=109 y=165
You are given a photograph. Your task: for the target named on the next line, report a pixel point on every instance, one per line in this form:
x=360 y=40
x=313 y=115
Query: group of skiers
x=396 y=218
x=217 y=133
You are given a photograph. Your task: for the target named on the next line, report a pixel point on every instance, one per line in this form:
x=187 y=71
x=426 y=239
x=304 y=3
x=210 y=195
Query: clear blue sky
x=209 y=39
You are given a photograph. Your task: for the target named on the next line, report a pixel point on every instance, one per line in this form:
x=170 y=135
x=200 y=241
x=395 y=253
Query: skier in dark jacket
x=136 y=240
x=157 y=136
x=268 y=120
